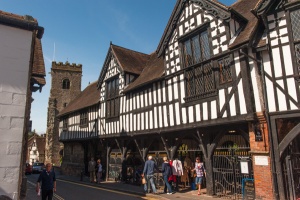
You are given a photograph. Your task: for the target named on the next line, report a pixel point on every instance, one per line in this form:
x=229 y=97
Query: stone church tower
x=65 y=86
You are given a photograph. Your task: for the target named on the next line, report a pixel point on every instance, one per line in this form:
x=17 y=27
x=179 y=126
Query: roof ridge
x=129 y=49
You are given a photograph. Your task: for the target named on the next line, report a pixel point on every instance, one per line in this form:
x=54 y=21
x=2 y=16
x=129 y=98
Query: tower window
x=66 y=84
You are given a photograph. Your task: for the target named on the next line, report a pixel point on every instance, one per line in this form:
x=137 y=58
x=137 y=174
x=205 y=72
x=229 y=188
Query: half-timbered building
x=222 y=84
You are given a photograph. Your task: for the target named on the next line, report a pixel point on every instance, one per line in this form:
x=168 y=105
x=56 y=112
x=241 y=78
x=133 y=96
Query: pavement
x=183 y=193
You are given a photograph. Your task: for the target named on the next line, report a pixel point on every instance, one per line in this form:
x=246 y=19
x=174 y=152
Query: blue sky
x=80 y=32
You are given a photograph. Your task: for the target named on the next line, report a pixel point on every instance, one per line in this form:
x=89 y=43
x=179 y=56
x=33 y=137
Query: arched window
x=66 y=84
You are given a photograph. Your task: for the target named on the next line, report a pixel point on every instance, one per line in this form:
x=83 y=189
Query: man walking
x=91 y=169
x=149 y=172
x=47 y=177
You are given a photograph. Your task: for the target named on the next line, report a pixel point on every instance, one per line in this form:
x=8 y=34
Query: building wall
x=58 y=99
x=15 y=52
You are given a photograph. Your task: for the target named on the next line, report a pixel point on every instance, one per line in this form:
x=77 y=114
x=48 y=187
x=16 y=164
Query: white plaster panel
x=182 y=88
x=242 y=98
x=159 y=97
x=270 y=17
x=183 y=115
x=155 y=115
x=285 y=39
x=177 y=114
x=150 y=97
x=160 y=120
x=191 y=114
x=198 y=113
x=281 y=97
x=221 y=98
x=138 y=121
x=171 y=115
x=142 y=121
x=214 y=109
x=277 y=62
x=287 y=60
x=147 y=120
x=205 y=111
x=170 y=92
x=270 y=95
x=166 y=116
x=131 y=122
x=151 y=119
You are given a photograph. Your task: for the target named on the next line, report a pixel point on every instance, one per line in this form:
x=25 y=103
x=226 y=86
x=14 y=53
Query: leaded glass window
x=112 y=98
x=84 y=118
x=65 y=124
x=295 y=21
x=225 y=69
x=200 y=82
x=196 y=49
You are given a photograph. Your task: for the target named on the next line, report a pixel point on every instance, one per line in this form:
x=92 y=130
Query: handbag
x=144 y=180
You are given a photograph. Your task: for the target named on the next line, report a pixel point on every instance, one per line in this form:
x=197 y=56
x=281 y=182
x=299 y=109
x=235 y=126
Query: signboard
x=244 y=167
x=258 y=135
x=248 y=189
x=261 y=160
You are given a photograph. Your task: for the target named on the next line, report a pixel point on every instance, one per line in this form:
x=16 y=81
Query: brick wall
x=261 y=160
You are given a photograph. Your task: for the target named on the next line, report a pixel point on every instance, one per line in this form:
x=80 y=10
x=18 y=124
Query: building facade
x=22 y=72
x=222 y=85
x=65 y=86
x=36 y=149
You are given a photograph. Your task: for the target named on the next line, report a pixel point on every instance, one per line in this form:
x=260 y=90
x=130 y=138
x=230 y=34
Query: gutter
x=23 y=24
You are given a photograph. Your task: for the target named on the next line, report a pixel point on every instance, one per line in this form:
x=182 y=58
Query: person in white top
x=177 y=170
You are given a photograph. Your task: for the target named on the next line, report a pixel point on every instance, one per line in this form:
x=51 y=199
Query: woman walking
x=200 y=171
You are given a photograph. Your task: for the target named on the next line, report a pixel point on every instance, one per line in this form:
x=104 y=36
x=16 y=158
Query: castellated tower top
x=66 y=66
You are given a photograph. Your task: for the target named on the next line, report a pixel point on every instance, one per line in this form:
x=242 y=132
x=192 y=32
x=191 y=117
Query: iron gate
x=227 y=173
x=291 y=169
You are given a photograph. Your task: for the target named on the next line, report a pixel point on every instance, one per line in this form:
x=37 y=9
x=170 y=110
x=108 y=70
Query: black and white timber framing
x=221 y=69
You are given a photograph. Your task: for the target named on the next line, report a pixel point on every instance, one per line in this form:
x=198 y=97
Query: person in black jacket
x=47 y=177
x=167 y=172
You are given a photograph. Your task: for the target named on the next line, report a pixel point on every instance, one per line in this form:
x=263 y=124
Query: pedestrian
x=167 y=173
x=148 y=172
x=99 y=171
x=48 y=183
x=91 y=169
x=200 y=171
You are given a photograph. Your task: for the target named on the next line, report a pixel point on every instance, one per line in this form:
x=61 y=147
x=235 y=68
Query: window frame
x=66 y=83
x=201 y=69
x=65 y=124
x=112 y=97
x=295 y=42
x=84 y=119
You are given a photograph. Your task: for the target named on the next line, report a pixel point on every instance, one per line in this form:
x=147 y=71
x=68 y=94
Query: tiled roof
x=244 y=7
x=153 y=70
x=26 y=22
x=38 y=68
x=88 y=97
x=130 y=61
